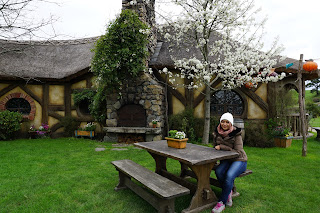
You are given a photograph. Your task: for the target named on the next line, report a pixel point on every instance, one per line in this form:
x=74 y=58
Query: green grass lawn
x=68 y=175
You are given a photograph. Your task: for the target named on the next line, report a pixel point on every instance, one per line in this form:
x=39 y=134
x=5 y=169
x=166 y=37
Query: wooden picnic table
x=200 y=159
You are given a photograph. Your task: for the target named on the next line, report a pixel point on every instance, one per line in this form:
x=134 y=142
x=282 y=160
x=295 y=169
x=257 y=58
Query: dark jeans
x=226 y=172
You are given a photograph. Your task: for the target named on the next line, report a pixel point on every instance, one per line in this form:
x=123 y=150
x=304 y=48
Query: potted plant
x=87 y=130
x=282 y=136
x=154 y=123
x=177 y=139
x=41 y=132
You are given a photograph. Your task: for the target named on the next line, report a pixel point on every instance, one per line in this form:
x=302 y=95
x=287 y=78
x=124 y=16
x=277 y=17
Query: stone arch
x=20 y=95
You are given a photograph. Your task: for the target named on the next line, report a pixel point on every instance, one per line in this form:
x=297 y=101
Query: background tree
x=227 y=36
x=315 y=84
x=16 y=22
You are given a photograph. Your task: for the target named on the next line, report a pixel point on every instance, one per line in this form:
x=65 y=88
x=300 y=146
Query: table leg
x=204 y=197
x=161 y=162
x=183 y=170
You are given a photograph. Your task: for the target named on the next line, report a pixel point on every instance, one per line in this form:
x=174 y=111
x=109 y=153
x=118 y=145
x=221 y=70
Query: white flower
x=180 y=135
x=133 y=2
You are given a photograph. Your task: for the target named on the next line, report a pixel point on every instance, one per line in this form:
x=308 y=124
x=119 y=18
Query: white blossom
x=232 y=52
x=134 y=2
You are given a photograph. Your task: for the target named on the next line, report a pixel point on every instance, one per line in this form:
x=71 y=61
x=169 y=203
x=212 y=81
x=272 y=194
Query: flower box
x=283 y=142
x=177 y=143
x=38 y=134
x=85 y=133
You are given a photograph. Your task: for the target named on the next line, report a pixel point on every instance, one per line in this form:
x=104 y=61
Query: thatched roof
x=45 y=59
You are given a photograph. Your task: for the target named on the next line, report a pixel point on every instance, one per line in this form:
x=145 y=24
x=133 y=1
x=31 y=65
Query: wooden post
x=302 y=108
x=45 y=103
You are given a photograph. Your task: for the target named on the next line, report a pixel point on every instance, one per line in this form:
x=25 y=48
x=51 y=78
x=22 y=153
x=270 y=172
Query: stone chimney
x=145 y=10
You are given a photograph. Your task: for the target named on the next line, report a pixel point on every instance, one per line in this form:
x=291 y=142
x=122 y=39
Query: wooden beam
x=31 y=94
x=56 y=107
x=56 y=126
x=8 y=89
x=67 y=99
x=256 y=98
x=45 y=103
x=201 y=96
x=55 y=115
x=174 y=92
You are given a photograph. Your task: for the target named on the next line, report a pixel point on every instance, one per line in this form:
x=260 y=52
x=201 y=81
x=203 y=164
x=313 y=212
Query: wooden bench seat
x=157 y=190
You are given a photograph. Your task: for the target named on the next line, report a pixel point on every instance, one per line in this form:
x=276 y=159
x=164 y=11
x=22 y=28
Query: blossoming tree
x=225 y=41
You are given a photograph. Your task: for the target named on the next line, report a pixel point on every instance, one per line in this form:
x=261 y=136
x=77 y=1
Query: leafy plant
x=10 y=122
x=188 y=123
x=70 y=124
x=256 y=135
x=313 y=109
x=120 y=54
x=42 y=131
x=84 y=94
x=280 y=131
x=177 y=134
x=88 y=127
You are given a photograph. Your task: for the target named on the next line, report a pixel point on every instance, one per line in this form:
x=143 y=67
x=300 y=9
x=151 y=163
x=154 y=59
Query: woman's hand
x=217 y=147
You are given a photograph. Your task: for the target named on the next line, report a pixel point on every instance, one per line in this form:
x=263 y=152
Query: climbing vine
x=84 y=94
x=120 y=54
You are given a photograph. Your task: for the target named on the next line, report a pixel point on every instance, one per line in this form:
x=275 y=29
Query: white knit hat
x=227 y=116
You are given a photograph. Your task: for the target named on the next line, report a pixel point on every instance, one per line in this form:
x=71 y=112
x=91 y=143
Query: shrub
x=256 y=135
x=186 y=122
x=192 y=126
x=313 y=109
x=70 y=124
x=10 y=122
x=316 y=99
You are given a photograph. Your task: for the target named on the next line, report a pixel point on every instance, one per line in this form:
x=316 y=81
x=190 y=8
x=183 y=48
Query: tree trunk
x=302 y=108
x=206 y=129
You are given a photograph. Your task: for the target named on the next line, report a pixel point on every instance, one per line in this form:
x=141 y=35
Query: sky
x=295 y=22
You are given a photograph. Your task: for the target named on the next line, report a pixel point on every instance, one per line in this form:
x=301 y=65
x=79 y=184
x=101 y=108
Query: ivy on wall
x=83 y=94
x=119 y=55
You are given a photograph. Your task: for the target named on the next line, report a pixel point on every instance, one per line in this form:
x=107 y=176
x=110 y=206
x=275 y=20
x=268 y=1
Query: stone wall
x=145 y=10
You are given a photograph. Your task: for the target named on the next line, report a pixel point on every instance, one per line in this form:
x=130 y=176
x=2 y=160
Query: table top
x=191 y=155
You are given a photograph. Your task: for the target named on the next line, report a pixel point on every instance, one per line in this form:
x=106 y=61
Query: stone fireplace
x=130 y=112
x=130 y=115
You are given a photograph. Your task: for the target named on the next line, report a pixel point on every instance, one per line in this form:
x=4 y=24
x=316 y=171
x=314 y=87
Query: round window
x=226 y=101
x=18 y=105
x=84 y=107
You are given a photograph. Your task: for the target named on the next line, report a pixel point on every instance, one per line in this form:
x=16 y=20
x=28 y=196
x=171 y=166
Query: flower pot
x=283 y=142
x=177 y=143
x=154 y=125
x=39 y=134
x=79 y=133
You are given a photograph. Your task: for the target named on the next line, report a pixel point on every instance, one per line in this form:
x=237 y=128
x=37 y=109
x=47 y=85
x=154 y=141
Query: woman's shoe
x=229 y=201
x=219 y=207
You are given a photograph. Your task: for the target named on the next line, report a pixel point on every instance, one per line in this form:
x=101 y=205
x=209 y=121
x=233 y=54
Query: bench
x=318 y=132
x=157 y=190
x=234 y=189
